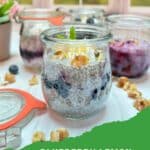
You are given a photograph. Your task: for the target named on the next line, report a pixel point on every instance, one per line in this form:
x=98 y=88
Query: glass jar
x=76 y=77
x=33 y=22
x=87 y=16
x=130 y=48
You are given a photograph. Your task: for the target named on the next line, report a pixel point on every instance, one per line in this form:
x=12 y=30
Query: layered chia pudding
x=129 y=57
x=88 y=16
x=130 y=48
x=76 y=76
x=31 y=48
x=33 y=23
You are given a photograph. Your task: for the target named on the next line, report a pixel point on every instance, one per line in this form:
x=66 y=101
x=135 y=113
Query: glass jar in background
x=92 y=16
x=76 y=75
x=130 y=48
x=33 y=22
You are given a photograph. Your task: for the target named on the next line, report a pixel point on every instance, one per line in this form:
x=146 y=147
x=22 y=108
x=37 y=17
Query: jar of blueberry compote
x=76 y=75
x=33 y=22
x=88 y=16
x=130 y=48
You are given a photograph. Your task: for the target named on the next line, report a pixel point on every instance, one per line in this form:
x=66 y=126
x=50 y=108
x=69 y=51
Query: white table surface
x=118 y=107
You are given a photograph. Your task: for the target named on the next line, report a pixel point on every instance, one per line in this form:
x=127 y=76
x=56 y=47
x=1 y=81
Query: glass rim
x=39 y=14
x=135 y=21
x=46 y=36
x=85 y=11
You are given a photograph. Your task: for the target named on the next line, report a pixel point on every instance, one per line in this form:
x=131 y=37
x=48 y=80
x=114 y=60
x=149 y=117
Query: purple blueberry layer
x=129 y=58
x=29 y=55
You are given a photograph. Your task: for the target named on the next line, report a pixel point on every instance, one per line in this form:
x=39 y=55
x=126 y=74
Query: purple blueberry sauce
x=129 y=58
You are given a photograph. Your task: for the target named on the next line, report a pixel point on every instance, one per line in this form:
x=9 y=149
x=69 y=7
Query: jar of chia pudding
x=130 y=48
x=88 y=16
x=33 y=22
x=76 y=75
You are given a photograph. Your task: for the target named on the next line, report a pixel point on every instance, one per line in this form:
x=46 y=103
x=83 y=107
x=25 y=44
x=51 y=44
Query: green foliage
x=4 y=9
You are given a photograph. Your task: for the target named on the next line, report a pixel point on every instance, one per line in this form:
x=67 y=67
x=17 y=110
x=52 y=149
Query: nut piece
x=126 y=86
x=10 y=78
x=33 y=81
x=141 y=104
x=63 y=133
x=55 y=136
x=59 y=55
x=80 y=61
x=132 y=87
x=38 y=136
x=122 y=81
x=134 y=94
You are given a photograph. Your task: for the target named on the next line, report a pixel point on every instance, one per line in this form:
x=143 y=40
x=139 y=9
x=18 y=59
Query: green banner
x=133 y=134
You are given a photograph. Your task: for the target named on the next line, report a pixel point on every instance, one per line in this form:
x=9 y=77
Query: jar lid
x=88 y=11
x=36 y=14
x=131 y=21
x=15 y=106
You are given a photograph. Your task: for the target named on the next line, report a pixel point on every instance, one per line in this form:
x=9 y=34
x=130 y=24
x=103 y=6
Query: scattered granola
x=33 y=81
x=63 y=133
x=134 y=94
x=59 y=135
x=140 y=102
x=9 y=78
x=122 y=81
x=59 y=55
x=38 y=136
x=55 y=136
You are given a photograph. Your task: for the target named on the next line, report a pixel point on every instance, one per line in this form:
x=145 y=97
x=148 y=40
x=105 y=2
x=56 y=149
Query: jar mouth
x=88 y=11
x=84 y=33
x=131 y=21
x=39 y=14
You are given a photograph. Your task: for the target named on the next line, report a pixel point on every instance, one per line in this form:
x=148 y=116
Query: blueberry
x=90 y=21
x=94 y=93
x=105 y=79
x=14 y=69
x=47 y=83
x=63 y=92
x=78 y=19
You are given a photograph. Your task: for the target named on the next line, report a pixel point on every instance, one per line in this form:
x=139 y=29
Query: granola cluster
x=140 y=102
x=55 y=136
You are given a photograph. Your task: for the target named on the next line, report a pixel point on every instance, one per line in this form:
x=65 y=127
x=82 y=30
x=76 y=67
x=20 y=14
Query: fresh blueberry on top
x=90 y=21
x=14 y=69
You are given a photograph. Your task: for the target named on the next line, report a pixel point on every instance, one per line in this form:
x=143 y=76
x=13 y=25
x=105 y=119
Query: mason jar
x=33 y=22
x=130 y=48
x=76 y=75
x=92 y=16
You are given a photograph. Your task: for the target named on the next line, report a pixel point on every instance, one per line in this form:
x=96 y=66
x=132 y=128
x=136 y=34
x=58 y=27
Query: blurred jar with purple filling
x=33 y=22
x=130 y=48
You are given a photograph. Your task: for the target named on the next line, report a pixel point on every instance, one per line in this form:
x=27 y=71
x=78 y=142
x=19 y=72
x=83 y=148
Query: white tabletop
x=118 y=107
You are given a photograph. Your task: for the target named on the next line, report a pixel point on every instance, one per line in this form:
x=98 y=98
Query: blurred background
x=102 y=2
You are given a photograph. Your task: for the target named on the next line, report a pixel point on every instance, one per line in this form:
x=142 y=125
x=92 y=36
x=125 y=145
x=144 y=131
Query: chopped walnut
x=134 y=94
x=80 y=61
x=59 y=55
x=132 y=87
x=10 y=78
x=141 y=104
x=122 y=81
x=55 y=136
x=38 y=136
x=63 y=133
x=33 y=81
x=59 y=135
x=126 y=86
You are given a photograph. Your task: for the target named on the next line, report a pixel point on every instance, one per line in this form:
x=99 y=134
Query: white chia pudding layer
x=76 y=92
